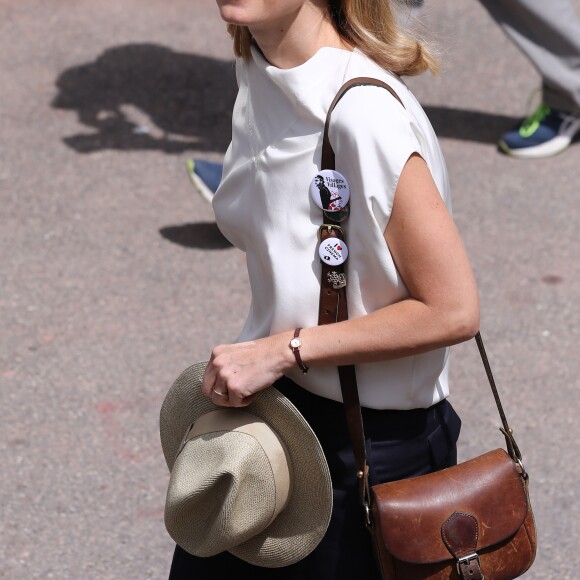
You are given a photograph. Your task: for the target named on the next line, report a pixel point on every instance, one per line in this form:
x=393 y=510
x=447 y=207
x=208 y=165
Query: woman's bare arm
x=443 y=307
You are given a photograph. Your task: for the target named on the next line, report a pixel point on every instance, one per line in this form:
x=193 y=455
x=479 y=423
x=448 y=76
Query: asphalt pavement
x=114 y=277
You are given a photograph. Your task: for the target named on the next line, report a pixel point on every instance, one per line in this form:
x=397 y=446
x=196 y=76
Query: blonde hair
x=373 y=28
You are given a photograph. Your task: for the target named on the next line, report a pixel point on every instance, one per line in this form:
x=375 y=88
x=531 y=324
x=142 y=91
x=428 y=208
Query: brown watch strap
x=296 y=351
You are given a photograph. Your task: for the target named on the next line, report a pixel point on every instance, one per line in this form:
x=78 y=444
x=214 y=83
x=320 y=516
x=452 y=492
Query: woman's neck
x=291 y=41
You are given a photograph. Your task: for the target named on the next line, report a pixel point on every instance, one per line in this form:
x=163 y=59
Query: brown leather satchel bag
x=471 y=521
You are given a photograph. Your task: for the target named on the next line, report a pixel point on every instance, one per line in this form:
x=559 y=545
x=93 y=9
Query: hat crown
x=301 y=523
x=230 y=480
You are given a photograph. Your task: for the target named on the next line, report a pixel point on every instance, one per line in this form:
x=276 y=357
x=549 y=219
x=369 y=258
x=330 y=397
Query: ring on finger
x=220 y=394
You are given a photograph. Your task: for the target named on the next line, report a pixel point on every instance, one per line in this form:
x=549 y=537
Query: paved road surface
x=114 y=277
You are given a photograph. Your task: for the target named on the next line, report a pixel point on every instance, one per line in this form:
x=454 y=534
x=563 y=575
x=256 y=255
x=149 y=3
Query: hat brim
x=299 y=528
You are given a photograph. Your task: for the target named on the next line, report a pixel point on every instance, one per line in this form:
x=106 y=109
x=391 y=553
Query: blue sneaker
x=205 y=176
x=545 y=132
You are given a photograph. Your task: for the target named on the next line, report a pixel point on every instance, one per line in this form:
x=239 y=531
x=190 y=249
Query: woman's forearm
x=406 y=328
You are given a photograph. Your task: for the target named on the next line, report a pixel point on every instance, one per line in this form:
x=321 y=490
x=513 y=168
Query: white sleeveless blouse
x=264 y=208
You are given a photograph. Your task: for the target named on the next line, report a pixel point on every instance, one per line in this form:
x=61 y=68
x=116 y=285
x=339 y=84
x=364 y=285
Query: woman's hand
x=236 y=372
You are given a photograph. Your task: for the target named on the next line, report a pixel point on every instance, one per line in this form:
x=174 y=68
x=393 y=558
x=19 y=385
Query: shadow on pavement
x=469 y=125
x=202 y=235
x=146 y=96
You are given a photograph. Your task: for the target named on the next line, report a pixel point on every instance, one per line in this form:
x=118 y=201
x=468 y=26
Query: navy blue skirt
x=400 y=444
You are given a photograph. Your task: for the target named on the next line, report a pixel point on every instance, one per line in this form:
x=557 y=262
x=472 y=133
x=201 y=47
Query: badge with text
x=333 y=251
x=329 y=190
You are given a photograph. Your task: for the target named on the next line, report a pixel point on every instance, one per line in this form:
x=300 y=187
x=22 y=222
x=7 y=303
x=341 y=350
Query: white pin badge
x=330 y=190
x=333 y=251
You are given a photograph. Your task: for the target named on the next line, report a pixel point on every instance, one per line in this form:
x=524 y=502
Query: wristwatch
x=295 y=345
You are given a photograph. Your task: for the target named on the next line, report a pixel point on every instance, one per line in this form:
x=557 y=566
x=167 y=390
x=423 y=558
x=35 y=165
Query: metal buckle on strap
x=329 y=228
x=365 y=491
x=467 y=560
x=368 y=518
x=521 y=465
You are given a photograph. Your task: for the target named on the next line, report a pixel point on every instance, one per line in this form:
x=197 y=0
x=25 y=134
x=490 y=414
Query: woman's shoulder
x=373 y=112
x=361 y=65
x=366 y=102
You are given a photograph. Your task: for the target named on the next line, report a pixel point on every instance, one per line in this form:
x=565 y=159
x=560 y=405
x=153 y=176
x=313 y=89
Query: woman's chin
x=235 y=15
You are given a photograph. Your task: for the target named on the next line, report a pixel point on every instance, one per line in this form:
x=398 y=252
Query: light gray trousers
x=548 y=33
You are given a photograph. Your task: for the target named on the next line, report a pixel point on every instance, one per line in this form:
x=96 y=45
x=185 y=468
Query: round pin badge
x=338 y=216
x=330 y=190
x=333 y=251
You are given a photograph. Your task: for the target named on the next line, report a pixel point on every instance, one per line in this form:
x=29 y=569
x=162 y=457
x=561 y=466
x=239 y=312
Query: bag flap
x=410 y=512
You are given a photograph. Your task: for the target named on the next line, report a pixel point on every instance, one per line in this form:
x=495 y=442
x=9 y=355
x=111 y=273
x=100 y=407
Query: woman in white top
x=411 y=292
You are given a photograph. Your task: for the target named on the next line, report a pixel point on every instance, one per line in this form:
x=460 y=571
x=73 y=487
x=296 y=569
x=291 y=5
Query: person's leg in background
x=205 y=176
x=548 y=34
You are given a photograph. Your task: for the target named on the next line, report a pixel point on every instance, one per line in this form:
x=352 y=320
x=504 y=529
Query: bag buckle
x=466 y=561
x=329 y=228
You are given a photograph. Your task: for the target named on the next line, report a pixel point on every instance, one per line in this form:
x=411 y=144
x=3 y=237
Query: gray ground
x=114 y=277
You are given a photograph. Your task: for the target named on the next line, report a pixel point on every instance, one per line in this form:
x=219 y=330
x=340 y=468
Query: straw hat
x=252 y=481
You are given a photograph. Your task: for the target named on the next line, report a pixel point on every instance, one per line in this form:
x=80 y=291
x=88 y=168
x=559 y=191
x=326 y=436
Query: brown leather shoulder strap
x=333 y=304
x=327 y=152
x=333 y=308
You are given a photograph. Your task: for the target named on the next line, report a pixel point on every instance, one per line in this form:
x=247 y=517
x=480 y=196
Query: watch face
x=295 y=343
